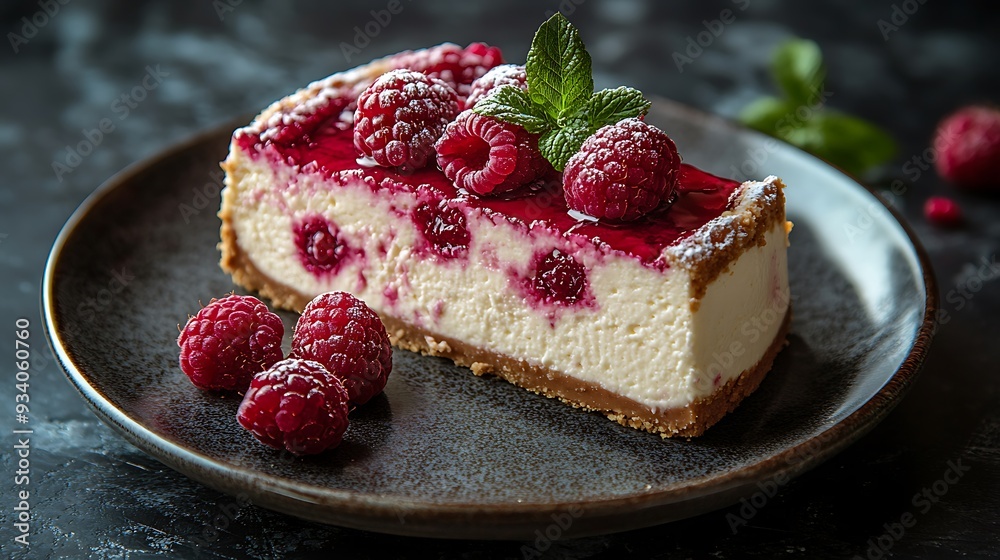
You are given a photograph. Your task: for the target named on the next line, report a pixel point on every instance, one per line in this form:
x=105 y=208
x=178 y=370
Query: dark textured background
x=96 y=496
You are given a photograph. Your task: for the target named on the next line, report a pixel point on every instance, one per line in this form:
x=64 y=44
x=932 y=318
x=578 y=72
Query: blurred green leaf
x=851 y=143
x=766 y=114
x=798 y=118
x=798 y=69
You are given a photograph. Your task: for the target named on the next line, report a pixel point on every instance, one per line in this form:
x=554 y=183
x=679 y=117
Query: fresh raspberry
x=296 y=405
x=503 y=75
x=400 y=116
x=458 y=67
x=559 y=278
x=485 y=155
x=968 y=146
x=339 y=331
x=942 y=211
x=228 y=341
x=622 y=172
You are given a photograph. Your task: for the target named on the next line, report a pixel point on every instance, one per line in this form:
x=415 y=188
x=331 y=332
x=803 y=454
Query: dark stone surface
x=94 y=495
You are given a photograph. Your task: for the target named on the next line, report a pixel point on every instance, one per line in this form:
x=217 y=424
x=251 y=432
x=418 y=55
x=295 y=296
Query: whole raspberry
x=622 y=172
x=968 y=146
x=458 y=67
x=339 y=331
x=503 y=75
x=942 y=211
x=400 y=116
x=228 y=341
x=485 y=155
x=296 y=405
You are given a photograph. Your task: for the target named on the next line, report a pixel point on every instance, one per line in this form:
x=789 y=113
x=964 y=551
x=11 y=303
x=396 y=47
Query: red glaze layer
x=700 y=196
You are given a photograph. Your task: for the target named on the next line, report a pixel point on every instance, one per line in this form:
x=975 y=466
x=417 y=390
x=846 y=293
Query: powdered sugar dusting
x=750 y=205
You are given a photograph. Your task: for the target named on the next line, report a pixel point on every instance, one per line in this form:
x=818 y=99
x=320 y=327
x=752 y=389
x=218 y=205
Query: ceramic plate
x=444 y=453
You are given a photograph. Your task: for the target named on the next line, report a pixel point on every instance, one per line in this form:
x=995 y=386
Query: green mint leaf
x=512 y=104
x=852 y=144
x=560 y=144
x=768 y=115
x=559 y=68
x=798 y=69
x=609 y=106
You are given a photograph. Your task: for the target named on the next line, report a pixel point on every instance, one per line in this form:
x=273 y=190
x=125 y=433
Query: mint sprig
x=560 y=104
x=801 y=118
x=558 y=68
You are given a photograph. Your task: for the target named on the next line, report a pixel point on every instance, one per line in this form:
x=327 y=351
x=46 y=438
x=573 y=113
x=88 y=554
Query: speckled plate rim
x=494 y=521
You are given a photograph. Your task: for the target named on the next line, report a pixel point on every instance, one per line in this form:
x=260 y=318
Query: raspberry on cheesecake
x=612 y=287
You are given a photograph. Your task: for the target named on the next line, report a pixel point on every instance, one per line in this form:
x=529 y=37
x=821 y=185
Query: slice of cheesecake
x=664 y=323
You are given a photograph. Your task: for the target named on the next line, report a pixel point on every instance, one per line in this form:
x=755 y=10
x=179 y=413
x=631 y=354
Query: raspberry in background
x=942 y=211
x=503 y=75
x=400 y=117
x=967 y=144
x=296 y=405
x=486 y=156
x=451 y=63
x=341 y=332
x=228 y=341
x=622 y=172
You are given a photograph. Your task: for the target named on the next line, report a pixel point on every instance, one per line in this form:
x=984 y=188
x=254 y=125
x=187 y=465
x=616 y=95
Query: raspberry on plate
x=503 y=75
x=622 y=172
x=400 y=116
x=341 y=332
x=451 y=63
x=229 y=341
x=296 y=405
x=968 y=146
x=485 y=155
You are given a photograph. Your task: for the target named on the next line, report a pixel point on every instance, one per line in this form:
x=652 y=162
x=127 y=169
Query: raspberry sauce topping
x=699 y=198
x=321 y=248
